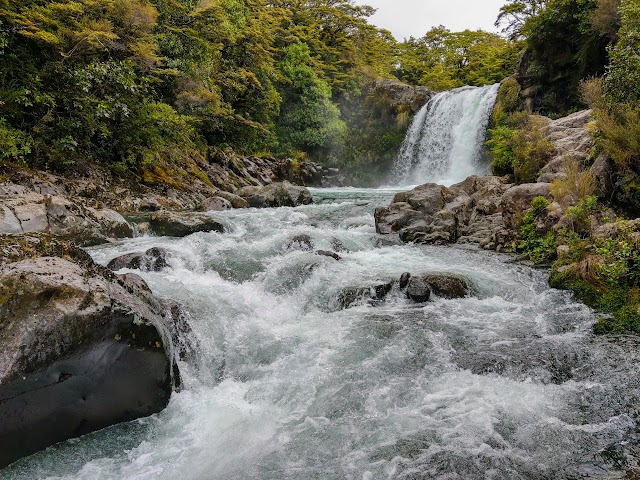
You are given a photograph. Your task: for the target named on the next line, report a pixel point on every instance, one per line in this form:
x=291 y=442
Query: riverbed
x=508 y=383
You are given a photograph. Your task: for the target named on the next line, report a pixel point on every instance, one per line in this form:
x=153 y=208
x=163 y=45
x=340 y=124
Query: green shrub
x=538 y=246
x=15 y=145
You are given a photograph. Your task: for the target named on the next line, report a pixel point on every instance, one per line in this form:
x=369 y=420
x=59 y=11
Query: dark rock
x=326 y=253
x=80 y=348
x=446 y=285
x=418 y=290
x=175 y=224
x=404 y=279
x=353 y=295
x=153 y=260
x=184 y=340
x=300 y=242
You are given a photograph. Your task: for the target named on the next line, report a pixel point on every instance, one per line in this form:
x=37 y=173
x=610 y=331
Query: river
x=508 y=383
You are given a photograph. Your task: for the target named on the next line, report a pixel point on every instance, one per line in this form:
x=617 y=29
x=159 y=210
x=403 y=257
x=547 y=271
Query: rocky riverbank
x=488 y=211
x=82 y=348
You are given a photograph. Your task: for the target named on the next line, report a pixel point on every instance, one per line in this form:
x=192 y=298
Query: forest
x=128 y=84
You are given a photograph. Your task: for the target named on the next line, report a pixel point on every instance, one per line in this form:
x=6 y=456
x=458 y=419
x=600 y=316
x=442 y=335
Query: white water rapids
x=444 y=142
x=506 y=384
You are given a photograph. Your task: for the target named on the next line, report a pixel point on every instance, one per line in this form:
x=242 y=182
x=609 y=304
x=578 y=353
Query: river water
x=508 y=383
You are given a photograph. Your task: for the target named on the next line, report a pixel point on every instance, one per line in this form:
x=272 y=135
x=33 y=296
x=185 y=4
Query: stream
x=508 y=383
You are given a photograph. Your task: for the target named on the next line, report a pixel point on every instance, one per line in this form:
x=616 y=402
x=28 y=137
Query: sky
x=405 y=18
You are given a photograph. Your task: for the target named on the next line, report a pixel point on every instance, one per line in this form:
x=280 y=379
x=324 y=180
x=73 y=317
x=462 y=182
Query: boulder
x=447 y=285
x=281 y=194
x=428 y=199
x=353 y=295
x=215 y=204
x=153 y=260
x=404 y=279
x=236 y=201
x=516 y=202
x=181 y=224
x=418 y=290
x=80 y=348
x=61 y=216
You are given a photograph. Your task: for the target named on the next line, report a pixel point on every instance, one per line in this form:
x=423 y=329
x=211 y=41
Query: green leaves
x=442 y=60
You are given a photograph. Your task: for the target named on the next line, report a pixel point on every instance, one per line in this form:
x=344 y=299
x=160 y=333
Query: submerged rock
x=353 y=295
x=300 y=242
x=153 y=260
x=80 y=348
x=181 y=224
x=327 y=253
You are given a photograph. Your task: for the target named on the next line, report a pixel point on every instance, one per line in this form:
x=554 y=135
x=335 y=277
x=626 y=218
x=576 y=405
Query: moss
x=619 y=302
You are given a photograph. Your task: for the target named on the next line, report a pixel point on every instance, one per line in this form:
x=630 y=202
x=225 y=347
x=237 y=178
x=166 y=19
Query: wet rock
x=215 y=204
x=337 y=245
x=404 y=279
x=446 y=285
x=327 y=253
x=80 y=348
x=418 y=290
x=300 y=242
x=184 y=340
x=135 y=282
x=353 y=295
x=153 y=260
x=179 y=224
x=281 y=194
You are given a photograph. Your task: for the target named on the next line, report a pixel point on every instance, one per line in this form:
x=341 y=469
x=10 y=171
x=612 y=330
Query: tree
x=309 y=121
x=443 y=59
x=514 y=15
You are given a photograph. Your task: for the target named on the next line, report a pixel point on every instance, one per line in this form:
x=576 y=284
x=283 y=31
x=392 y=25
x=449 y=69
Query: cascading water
x=507 y=384
x=445 y=141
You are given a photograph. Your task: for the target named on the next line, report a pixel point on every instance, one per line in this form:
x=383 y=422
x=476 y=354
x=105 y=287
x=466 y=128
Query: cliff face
x=378 y=120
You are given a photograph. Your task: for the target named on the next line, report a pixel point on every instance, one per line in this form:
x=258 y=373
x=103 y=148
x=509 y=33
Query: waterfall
x=444 y=143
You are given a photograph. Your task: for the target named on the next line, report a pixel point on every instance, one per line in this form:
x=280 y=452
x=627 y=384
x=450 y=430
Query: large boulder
x=61 y=216
x=516 y=202
x=446 y=285
x=280 y=194
x=181 y=224
x=215 y=204
x=468 y=212
x=80 y=348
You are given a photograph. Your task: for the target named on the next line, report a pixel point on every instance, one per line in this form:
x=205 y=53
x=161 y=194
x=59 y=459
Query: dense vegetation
x=137 y=85
x=578 y=53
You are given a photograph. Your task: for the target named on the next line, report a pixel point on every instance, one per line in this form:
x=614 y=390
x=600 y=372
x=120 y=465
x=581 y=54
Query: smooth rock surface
x=80 y=348
x=181 y=224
